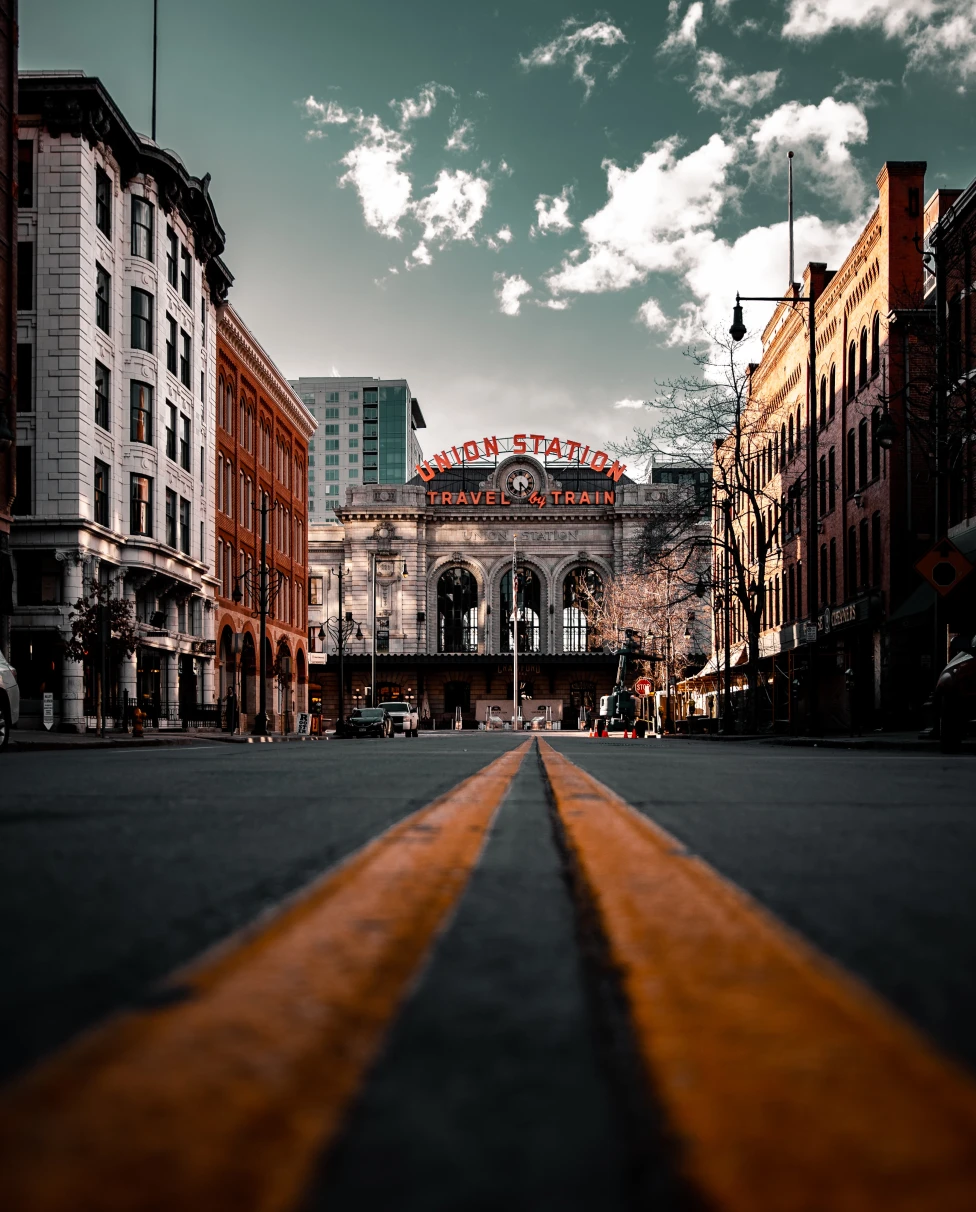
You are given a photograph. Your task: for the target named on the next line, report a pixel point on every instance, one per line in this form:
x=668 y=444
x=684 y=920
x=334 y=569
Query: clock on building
x=520 y=482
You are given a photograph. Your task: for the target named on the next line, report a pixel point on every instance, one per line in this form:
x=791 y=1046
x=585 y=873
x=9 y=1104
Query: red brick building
x=868 y=645
x=8 y=297
x=263 y=431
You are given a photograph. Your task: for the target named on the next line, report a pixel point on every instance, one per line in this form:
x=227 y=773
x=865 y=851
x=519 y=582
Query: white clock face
x=520 y=482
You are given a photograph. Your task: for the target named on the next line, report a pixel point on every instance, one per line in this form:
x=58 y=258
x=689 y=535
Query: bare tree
x=709 y=420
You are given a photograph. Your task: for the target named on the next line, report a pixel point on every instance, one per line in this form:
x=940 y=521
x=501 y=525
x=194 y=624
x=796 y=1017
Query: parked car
x=954 y=701
x=369 y=721
x=405 y=718
x=9 y=700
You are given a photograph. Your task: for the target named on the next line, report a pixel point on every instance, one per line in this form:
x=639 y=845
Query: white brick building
x=116 y=435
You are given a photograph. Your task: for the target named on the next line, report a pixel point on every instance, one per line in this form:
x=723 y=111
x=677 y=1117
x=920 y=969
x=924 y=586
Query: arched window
x=832 y=392
x=790 y=446
x=799 y=428
x=242 y=428
x=851 y=370
x=582 y=591
x=823 y=401
x=529 y=608
x=220 y=401
x=875 y=344
x=457 y=611
x=782 y=446
x=862 y=376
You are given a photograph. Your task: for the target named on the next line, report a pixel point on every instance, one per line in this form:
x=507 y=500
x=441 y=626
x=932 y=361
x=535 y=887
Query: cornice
x=81 y=106
x=232 y=329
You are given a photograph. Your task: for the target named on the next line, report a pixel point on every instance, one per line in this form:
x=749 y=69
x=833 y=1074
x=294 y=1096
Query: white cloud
x=421 y=255
x=373 y=168
x=821 y=137
x=552 y=213
x=684 y=33
x=650 y=314
x=715 y=88
x=459 y=140
x=936 y=33
x=578 y=44
x=330 y=114
x=555 y=304
x=629 y=404
x=455 y=207
x=653 y=215
x=501 y=237
x=509 y=294
x=421 y=106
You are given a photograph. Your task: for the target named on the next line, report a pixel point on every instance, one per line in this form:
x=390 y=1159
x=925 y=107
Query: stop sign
x=643 y=686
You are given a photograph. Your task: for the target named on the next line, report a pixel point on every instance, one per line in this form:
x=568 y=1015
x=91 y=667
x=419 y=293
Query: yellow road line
x=789 y=1085
x=225 y=1100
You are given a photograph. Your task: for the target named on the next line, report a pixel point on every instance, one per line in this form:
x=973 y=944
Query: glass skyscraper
x=366 y=435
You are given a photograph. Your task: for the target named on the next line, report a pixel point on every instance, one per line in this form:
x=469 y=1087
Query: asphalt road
x=507 y=1078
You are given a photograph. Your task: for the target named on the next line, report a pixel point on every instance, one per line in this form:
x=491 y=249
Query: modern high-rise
x=366 y=435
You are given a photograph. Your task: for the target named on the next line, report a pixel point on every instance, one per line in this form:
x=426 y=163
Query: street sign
x=644 y=686
x=302 y=728
x=944 y=567
x=48 y=709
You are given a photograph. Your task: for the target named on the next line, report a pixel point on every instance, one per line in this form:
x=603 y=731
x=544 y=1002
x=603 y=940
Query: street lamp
x=266 y=596
x=886 y=433
x=737 y=331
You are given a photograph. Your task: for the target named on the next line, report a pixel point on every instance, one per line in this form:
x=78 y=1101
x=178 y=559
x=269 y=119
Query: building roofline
x=237 y=334
x=70 y=102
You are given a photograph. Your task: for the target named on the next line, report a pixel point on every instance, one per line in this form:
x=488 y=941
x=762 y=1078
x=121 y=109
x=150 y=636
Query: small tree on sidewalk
x=103 y=631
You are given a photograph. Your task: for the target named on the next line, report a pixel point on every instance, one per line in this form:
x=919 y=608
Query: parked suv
x=405 y=718
x=9 y=700
x=954 y=700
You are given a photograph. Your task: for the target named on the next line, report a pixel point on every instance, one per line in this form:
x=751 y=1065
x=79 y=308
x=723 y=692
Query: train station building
x=427 y=570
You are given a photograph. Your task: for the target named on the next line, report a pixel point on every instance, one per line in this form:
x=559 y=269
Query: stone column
x=73 y=678
x=209 y=624
x=130 y=664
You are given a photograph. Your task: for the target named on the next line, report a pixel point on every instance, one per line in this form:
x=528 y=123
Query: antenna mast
x=789 y=211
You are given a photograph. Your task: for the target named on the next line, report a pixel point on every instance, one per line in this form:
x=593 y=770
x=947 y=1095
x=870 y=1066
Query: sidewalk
x=38 y=740
x=893 y=741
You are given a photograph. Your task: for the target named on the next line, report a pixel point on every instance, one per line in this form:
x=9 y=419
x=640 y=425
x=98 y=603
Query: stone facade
x=8 y=306
x=120 y=428
x=263 y=433
x=465 y=519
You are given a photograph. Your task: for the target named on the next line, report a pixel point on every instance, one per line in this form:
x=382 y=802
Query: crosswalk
x=782 y=1083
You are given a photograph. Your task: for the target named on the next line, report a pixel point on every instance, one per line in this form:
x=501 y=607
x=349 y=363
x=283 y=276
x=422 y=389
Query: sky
x=527 y=210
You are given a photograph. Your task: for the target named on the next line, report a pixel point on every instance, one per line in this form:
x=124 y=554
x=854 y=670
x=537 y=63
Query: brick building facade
x=263 y=432
x=8 y=301
x=870 y=643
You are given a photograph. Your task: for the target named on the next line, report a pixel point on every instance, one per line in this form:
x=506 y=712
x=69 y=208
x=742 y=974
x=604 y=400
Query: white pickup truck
x=405 y=718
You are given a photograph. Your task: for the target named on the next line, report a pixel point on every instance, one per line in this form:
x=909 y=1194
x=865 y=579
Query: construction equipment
x=618 y=709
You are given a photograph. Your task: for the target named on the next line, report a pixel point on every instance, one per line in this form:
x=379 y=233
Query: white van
x=9 y=700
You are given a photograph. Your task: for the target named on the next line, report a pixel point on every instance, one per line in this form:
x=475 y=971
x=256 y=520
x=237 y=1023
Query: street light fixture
x=887 y=432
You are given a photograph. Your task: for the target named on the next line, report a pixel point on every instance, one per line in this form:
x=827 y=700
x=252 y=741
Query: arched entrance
x=582 y=594
x=457 y=611
x=248 y=689
x=302 y=681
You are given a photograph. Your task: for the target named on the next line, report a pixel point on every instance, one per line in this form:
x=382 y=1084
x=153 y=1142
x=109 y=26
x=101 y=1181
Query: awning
x=740 y=656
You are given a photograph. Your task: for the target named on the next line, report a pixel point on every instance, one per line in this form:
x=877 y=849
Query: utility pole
x=341 y=721
x=261 y=720
x=515 y=682
x=155 y=42
x=372 y=631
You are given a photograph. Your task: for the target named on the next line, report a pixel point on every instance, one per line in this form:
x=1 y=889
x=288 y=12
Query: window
x=140 y=505
x=582 y=590
x=102 y=296
x=354 y=428
x=331 y=429
x=103 y=202
x=851 y=445
x=203 y=318
x=186 y=277
x=862 y=374
x=101 y=493
x=140 y=412
x=142 y=228
x=25 y=378
x=864 y=571
x=457 y=694
x=203 y=385
x=332 y=414
x=354 y=458
x=353 y=443
x=172 y=253
x=790 y=447
x=875 y=446
x=142 y=309
x=170 y=344
x=862 y=452
x=851 y=561
x=24 y=500
x=184 y=358
x=823 y=485
x=875 y=344
x=832 y=393
x=25 y=276
x=529 y=592
x=171 y=432
x=831 y=479
x=913 y=202
x=170 y=518
x=25 y=174
x=185 y=442
x=823 y=402
x=353 y=412
x=370 y=395
x=876 y=549
x=851 y=369
x=332 y=460
x=332 y=474
x=331 y=444
x=184 y=526
x=833 y=571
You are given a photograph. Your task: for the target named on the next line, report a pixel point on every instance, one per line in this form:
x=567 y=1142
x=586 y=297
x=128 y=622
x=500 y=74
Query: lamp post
x=737 y=331
x=340 y=629
x=372 y=625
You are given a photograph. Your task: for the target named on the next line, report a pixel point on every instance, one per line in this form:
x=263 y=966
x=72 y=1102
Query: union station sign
x=520 y=482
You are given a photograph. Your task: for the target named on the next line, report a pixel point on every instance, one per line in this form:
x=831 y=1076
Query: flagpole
x=515 y=685
x=155 y=27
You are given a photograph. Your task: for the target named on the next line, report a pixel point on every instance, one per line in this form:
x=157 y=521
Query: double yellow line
x=786 y=1084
